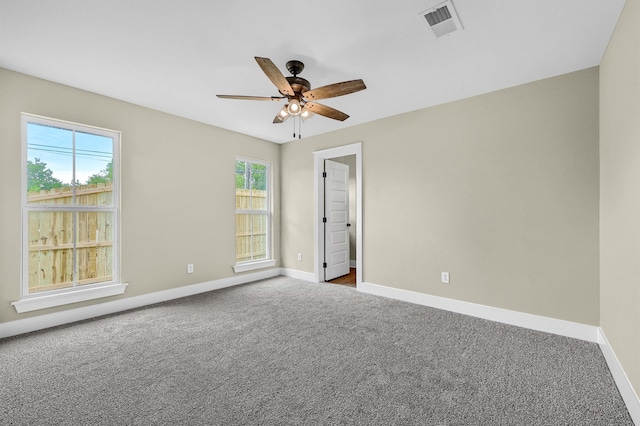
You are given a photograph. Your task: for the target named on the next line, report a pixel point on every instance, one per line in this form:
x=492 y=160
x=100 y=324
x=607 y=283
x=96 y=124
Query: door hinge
x=324 y=220
x=324 y=174
x=324 y=264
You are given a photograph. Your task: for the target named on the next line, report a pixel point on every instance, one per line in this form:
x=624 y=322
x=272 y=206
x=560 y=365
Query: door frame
x=318 y=192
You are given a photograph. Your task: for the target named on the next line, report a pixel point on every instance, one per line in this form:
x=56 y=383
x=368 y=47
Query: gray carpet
x=288 y=352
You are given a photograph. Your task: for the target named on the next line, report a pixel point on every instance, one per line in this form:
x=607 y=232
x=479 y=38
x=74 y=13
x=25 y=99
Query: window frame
x=268 y=261
x=56 y=297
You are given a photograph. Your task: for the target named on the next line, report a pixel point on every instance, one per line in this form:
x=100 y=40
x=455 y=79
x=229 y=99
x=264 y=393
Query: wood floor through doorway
x=349 y=280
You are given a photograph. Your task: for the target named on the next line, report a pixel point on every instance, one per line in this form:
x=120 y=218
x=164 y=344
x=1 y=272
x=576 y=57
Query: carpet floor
x=287 y=352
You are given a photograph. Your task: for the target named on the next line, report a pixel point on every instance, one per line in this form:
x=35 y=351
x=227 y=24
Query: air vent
x=441 y=19
x=438 y=16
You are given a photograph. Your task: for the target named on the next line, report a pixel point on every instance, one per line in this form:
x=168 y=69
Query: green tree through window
x=251 y=176
x=104 y=176
x=40 y=177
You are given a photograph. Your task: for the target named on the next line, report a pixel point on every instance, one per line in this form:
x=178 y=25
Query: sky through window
x=54 y=146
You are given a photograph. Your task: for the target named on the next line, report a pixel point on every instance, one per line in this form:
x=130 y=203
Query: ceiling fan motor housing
x=299 y=85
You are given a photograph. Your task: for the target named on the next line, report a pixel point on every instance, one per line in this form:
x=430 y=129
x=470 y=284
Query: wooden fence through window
x=251 y=223
x=51 y=239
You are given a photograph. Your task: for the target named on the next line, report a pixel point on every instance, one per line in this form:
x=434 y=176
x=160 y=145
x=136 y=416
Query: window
x=70 y=213
x=253 y=215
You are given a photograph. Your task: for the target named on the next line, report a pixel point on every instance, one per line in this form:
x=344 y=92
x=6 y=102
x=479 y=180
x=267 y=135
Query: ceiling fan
x=297 y=91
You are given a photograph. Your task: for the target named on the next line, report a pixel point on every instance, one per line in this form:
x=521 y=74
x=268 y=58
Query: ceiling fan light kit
x=294 y=108
x=306 y=114
x=297 y=91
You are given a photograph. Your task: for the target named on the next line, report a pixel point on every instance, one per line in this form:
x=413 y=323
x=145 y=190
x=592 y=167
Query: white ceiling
x=175 y=56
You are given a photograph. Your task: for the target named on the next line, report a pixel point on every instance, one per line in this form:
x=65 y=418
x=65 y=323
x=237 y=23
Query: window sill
x=251 y=266
x=51 y=300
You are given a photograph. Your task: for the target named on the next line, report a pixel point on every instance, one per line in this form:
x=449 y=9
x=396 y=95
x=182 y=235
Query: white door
x=336 y=211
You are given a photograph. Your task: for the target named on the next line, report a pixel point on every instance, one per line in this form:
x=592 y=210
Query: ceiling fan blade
x=325 y=111
x=337 y=89
x=251 y=98
x=275 y=76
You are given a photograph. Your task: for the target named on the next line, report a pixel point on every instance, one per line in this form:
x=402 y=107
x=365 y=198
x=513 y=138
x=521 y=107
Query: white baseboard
x=299 y=275
x=40 y=322
x=520 y=319
x=352 y=263
x=627 y=392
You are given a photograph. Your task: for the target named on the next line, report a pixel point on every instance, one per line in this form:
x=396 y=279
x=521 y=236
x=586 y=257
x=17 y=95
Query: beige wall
x=620 y=192
x=500 y=190
x=177 y=177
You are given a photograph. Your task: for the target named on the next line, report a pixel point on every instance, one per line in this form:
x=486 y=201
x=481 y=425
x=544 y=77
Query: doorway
x=354 y=150
x=338 y=177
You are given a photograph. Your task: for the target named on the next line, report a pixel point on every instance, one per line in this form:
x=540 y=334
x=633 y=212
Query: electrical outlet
x=190 y=268
x=444 y=277
x=299 y=256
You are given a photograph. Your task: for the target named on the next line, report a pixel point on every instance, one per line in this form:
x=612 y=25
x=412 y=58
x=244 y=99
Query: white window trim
x=30 y=302
x=252 y=265
x=77 y=295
